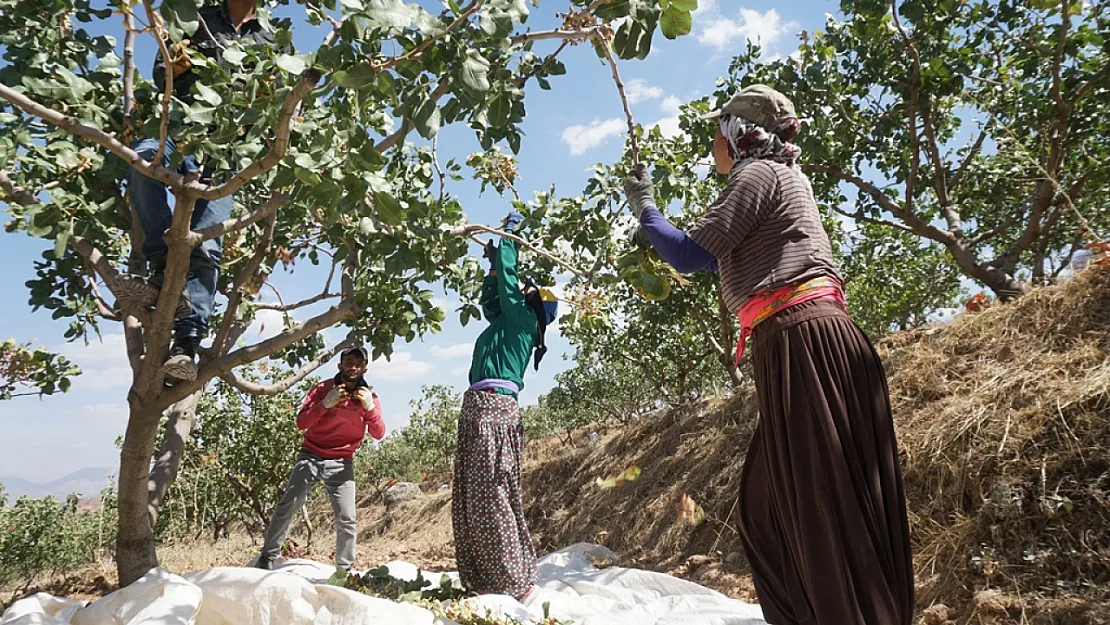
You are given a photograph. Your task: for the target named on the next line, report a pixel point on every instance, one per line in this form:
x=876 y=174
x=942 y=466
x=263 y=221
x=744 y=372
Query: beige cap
x=758 y=103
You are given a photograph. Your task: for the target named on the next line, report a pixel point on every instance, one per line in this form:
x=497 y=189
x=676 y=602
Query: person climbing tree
x=335 y=417
x=822 y=508
x=222 y=24
x=493 y=547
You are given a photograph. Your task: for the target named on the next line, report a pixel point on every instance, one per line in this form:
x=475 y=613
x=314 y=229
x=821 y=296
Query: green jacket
x=504 y=348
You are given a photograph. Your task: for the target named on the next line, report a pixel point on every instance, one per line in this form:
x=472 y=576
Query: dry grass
x=1004 y=425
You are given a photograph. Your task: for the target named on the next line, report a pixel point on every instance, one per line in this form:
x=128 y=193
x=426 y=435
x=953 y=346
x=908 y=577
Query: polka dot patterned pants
x=492 y=544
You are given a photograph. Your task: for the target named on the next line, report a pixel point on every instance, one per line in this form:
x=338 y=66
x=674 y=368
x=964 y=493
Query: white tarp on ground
x=295 y=594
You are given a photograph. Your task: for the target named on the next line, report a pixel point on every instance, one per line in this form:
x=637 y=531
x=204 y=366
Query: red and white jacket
x=336 y=433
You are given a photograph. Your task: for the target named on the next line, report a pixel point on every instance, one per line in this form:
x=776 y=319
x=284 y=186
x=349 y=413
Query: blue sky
x=576 y=125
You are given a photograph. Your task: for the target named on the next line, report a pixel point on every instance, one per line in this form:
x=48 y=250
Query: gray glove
x=639 y=190
x=639 y=238
x=337 y=394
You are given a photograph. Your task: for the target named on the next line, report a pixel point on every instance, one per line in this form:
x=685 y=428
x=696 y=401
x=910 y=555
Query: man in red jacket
x=334 y=417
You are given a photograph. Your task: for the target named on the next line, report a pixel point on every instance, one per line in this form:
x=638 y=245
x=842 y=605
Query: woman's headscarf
x=748 y=141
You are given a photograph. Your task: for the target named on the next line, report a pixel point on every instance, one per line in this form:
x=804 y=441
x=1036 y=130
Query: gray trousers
x=339 y=480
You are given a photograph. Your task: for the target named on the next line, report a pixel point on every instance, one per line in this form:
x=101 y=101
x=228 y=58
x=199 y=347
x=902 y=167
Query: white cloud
x=266 y=324
x=103 y=362
x=452 y=351
x=670 y=105
x=110 y=348
x=668 y=126
x=762 y=28
x=705 y=7
x=638 y=90
x=583 y=138
x=458 y=372
x=447 y=304
x=400 y=367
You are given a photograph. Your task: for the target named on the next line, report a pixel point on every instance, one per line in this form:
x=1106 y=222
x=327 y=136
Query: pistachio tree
x=25 y=370
x=314 y=146
x=977 y=126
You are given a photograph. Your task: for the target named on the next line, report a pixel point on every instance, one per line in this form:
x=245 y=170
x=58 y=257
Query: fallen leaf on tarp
x=690 y=512
x=628 y=475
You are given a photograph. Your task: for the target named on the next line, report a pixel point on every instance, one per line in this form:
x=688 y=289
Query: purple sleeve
x=672 y=244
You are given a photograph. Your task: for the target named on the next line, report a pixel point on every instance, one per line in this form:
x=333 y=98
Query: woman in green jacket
x=493 y=547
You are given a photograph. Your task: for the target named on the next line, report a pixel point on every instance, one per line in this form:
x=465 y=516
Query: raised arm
x=673 y=245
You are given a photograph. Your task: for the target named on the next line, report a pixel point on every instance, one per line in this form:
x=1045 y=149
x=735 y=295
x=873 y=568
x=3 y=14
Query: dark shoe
x=264 y=563
x=180 y=364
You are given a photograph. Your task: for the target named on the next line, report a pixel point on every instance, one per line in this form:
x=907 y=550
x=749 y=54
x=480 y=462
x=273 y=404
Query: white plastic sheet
x=295 y=594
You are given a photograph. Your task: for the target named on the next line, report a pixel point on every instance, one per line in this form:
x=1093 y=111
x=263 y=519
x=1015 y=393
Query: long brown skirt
x=822 y=507
x=493 y=547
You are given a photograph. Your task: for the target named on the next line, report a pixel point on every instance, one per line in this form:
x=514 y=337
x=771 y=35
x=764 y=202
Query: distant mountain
x=87 y=483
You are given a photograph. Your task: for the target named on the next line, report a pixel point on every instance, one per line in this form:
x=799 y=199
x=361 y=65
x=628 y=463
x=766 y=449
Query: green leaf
x=78 y=87
x=62 y=240
x=182 y=14
x=353 y=5
x=389 y=14
x=389 y=209
x=675 y=22
x=427 y=119
x=201 y=113
x=632 y=40
x=475 y=72
x=500 y=109
x=208 y=94
x=613 y=9
x=234 y=55
x=356 y=76
x=291 y=64
x=685 y=5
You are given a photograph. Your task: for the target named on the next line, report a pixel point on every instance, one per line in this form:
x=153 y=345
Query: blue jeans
x=153 y=209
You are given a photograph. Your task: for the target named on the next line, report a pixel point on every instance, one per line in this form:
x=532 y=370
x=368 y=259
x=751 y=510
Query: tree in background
x=323 y=174
x=22 y=367
x=980 y=127
x=236 y=459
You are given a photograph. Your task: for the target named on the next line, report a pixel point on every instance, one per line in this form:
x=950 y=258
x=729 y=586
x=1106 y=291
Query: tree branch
x=971 y=155
x=343 y=310
x=15 y=193
x=577 y=35
x=220 y=344
x=915 y=140
x=284 y=127
x=254 y=388
x=238 y=223
x=71 y=125
x=419 y=49
x=469 y=231
x=876 y=221
x=635 y=143
x=917 y=225
x=549 y=58
x=323 y=295
x=406 y=125
x=128 y=67
x=167 y=64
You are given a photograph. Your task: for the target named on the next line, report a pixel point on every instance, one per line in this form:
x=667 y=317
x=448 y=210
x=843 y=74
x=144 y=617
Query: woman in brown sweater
x=822 y=509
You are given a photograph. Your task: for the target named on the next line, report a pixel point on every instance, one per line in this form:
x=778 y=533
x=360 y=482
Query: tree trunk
x=999 y=282
x=135 y=554
x=168 y=463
